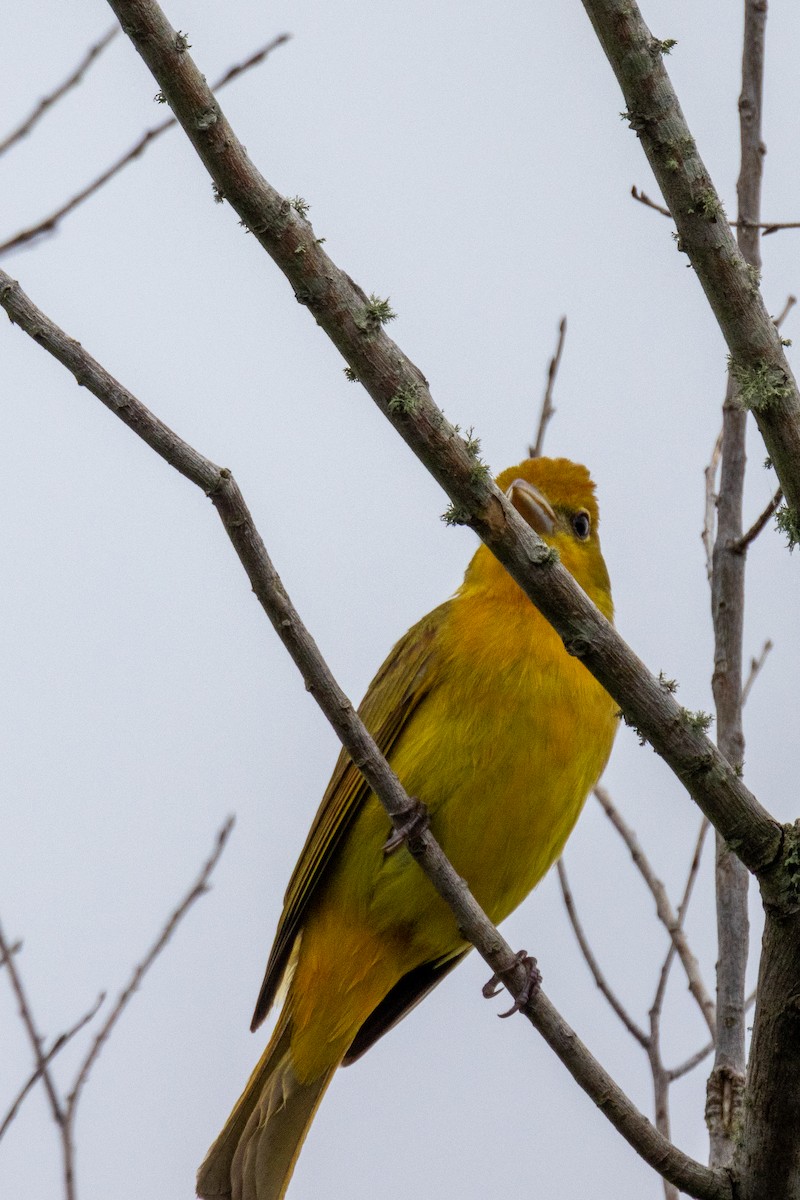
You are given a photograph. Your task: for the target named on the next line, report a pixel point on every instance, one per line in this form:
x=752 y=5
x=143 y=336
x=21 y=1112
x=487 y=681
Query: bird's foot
x=414 y=821
x=530 y=987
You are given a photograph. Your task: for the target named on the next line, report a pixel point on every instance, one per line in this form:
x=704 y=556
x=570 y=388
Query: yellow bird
x=487 y=719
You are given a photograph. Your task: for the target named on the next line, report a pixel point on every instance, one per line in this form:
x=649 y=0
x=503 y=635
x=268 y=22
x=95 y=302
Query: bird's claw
x=414 y=821
x=532 y=983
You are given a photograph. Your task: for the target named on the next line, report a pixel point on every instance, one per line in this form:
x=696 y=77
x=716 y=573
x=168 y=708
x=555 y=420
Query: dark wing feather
x=405 y=995
x=402 y=682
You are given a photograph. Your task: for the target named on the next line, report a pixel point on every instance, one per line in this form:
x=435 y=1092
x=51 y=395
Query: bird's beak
x=532 y=506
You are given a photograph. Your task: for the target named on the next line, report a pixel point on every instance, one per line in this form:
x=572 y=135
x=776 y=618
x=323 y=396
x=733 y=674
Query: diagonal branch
x=61 y=1041
x=219 y=485
x=34 y=1036
x=591 y=961
x=354 y=324
x=766 y=383
x=760 y=523
x=664 y=909
x=49 y=224
x=198 y=889
x=58 y=93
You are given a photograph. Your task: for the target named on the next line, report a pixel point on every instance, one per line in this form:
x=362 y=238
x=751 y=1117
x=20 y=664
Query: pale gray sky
x=469 y=162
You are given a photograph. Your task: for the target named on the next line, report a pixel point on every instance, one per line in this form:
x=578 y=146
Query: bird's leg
x=530 y=987
x=412 y=823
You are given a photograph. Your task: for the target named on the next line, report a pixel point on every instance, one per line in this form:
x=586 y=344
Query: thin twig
x=783 y=314
x=198 y=889
x=48 y=101
x=694 y=867
x=591 y=961
x=535 y=449
x=739 y=546
x=768 y=227
x=59 y=1044
x=664 y=909
x=5 y=954
x=63 y=1111
x=690 y=1176
x=34 y=1037
x=695 y=1059
x=49 y=224
x=755 y=667
x=709 y=518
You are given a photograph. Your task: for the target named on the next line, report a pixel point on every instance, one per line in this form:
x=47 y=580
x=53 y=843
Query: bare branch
x=61 y=1041
x=710 y=518
x=63 y=1112
x=742 y=543
x=643 y=198
x=673 y=1164
x=694 y=867
x=664 y=909
x=35 y=1038
x=766 y=382
x=355 y=325
x=49 y=224
x=766 y=226
x=535 y=449
x=783 y=314
x=48 y=101
x=726 y=1082
x=198 y=889
x=598 y=976
x=755 y=667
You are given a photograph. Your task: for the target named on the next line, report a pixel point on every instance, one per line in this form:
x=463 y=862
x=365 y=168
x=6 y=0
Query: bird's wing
x=396 y=691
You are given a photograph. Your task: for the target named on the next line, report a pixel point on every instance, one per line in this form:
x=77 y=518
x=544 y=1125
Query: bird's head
x=556 y=498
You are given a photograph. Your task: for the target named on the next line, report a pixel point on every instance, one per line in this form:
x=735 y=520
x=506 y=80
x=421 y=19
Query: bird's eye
x=581 y=525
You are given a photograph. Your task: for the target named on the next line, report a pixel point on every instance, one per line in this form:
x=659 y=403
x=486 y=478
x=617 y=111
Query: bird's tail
x=254 y=1156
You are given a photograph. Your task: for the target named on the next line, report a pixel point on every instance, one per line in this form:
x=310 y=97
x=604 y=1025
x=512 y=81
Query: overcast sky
x=468 y=161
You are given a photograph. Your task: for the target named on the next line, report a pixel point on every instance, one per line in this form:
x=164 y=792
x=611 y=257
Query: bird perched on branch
x=501 y=734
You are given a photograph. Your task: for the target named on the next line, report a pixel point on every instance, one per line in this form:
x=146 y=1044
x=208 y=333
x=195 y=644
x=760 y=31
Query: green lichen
x=300 y=206
x=479 y=472
x=698 y=722
x=405 y=400
x=669 y=685
x=760 y=384
x=665 y=46
x=350 y=374
x=708 y=205
x=376 y=312
x=788 y=522
x=620 y=715
x=160 y=98
x=456 y=514
x=219 y=195
x=182 y=43
x=472 y=442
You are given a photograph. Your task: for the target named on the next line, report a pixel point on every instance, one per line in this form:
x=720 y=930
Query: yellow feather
x=485 y=718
